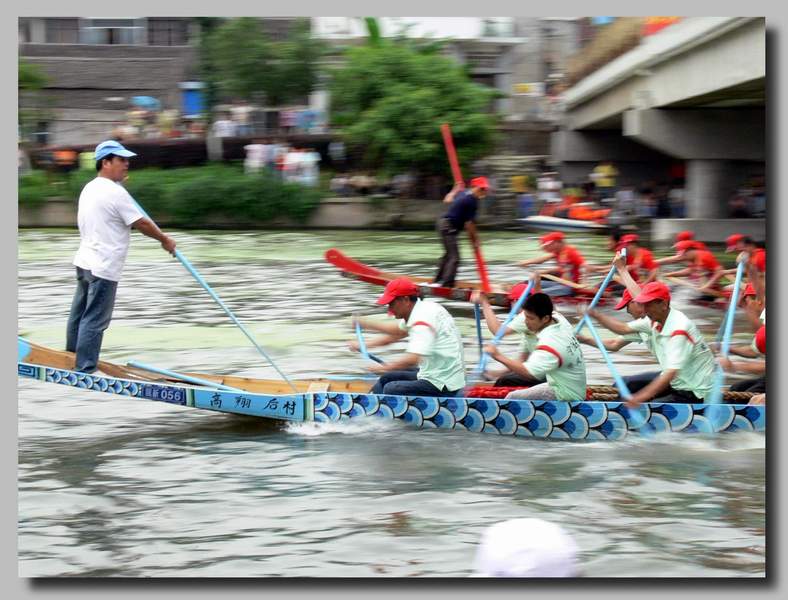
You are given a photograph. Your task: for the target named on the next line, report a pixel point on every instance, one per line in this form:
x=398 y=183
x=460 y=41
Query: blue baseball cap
x=112 y=147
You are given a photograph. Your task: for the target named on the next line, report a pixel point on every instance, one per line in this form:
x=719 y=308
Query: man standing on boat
x=461 y=214
x=106 y=214
x=433 y=361
x=557 y=355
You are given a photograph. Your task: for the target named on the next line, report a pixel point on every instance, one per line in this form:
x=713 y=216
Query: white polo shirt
x=558 y=358
x=433 y=335
x=106 y=213
x=679 y=345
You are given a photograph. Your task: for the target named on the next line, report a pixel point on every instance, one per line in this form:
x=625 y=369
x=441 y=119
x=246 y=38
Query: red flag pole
x=455 y=169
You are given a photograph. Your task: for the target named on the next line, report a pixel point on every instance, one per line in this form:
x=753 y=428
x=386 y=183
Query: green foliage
x=239 y=60
x=33 y=105
x=193 y=196
x=34 y=189
x=31 y=77
x=391 y=99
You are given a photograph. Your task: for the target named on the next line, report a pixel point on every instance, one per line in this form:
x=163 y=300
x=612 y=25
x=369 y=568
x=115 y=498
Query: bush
x=194 y=196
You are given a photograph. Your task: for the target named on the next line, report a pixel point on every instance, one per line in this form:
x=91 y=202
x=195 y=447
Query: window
x=111 y=31
x=168 y=32
x=61 y=31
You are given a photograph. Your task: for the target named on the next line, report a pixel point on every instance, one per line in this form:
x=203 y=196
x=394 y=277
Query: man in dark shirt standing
x=461 y=214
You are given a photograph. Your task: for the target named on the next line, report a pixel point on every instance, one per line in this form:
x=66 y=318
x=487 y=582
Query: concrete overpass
x=693 y=93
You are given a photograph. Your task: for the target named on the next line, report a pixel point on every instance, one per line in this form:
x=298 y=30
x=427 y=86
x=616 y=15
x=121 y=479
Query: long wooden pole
x=455 y=169
x=189 y=267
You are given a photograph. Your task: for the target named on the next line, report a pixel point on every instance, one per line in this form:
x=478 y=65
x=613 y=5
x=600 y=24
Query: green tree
x=390 y=99
x=33 y=106
x=243 y=62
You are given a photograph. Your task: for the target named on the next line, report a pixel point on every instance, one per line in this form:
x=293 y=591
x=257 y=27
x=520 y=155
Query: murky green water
x=112 y=486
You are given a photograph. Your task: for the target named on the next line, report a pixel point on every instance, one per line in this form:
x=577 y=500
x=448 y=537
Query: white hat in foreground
x=526 y=548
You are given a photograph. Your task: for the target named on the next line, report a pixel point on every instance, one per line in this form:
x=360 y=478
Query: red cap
x=554 y=236
x=630 y=238
x=656 y=290
x=396 y=288
x=749 y=290
x=760 y=339
x=480 y=182
x=732 y=240
x=517 y=291
x=682 y=236
x=685 y=245
x=625 y=299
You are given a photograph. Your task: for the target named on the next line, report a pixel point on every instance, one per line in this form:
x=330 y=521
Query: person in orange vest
x=571 y=264
x=681 y=236
x=642 y=267
x=701 y=262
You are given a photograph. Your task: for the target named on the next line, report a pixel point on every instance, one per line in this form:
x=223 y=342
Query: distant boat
x=542 y=222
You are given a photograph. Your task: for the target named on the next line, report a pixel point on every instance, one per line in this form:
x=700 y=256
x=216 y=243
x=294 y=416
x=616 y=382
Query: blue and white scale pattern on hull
x=541 y=419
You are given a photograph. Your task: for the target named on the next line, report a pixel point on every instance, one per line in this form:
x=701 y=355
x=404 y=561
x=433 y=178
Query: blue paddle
x=599 y=292
x=185 y=262
x=719 y=375
x=498 y=336
x=478 y=314
x=362 y=346
x=182 y=377
x=638 y=421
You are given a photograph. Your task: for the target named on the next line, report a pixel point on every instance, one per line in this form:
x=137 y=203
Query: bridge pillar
x=721 y=148
x=708 y=189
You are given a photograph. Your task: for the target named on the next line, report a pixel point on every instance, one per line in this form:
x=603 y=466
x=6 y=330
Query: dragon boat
x=330 y=399
x=461 y=291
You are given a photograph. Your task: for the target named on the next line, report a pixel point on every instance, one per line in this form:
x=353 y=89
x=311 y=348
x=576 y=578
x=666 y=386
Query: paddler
x=433 y=361
x=557 y=355
x=686 y=361
x=461 y=215
x=571 y=264
x=681 y=236
x=528 y=339
x=701 y=262
x=756 y=350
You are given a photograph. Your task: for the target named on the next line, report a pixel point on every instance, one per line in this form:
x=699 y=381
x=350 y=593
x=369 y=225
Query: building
x=96 y=66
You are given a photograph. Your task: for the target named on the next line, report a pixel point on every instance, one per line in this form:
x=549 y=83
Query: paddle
x=187 y=378
x=502 y=330
x=362 y=346
x=566 y=282
x=635 y=417
x=599 y=292
x=719 y=375
x=709 y=291
x=477 y=312
x=455 y=169
x=185 y=262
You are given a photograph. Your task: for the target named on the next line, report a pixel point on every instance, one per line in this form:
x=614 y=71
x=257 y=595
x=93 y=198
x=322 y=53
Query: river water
x=111 y=486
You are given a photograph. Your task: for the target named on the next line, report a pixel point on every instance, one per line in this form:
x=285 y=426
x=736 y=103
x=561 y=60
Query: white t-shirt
x=106 y=213
x=433 y=335
x=559 y=359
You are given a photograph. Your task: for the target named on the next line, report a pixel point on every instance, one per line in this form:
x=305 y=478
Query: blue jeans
x=555 y=289
x=405 y=383
x=91 y=312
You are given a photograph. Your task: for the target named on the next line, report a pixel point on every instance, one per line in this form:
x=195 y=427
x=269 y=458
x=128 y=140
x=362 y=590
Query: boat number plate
x=164 y=393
